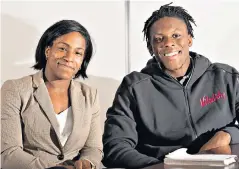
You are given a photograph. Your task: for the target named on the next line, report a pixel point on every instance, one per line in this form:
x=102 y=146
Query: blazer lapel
x=42 y=96
x=78 y=110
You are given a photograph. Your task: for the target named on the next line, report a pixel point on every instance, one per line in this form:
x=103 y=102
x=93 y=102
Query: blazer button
x=60 y=157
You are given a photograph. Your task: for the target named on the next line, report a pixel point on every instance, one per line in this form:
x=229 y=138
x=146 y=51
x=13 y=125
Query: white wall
x=216 y=34
x=23 y=23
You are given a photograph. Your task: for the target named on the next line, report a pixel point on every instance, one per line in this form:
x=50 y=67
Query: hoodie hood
x=200 y=65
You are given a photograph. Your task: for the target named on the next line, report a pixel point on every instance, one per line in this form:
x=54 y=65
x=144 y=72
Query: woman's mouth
x=66 y=66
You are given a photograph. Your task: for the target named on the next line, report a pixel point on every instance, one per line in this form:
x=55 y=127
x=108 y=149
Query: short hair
x=167 y=11
x=52 y=33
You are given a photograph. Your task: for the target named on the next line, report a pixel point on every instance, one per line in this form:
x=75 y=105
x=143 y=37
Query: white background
x=216 y=34
x=23 y=23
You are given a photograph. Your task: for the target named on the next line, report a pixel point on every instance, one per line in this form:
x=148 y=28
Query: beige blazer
x=29 y=138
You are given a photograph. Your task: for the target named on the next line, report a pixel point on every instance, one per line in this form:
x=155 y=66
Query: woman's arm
x=92 y=151
x=12 y=154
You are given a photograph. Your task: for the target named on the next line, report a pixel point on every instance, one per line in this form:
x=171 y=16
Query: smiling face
x=65 y=56
x=170 y=43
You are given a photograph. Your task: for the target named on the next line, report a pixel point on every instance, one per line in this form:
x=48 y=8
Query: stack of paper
x=181 y=157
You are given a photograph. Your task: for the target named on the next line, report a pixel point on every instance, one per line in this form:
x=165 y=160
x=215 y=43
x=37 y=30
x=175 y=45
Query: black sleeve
x=120 y=135
x=233 y=127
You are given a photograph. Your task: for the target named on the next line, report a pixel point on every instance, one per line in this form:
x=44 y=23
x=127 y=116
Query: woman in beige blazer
x=48 y=118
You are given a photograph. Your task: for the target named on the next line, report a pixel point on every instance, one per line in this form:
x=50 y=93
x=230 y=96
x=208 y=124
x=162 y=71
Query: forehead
x=72 y=39
x=168 y=24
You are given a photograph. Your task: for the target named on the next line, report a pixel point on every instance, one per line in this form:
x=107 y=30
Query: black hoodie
x=153 y=114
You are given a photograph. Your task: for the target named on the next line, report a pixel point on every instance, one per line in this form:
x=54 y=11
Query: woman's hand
x=82 y=164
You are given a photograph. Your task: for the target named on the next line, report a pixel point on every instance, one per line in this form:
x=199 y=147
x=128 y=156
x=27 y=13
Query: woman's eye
x=62 y=49
x=79 y=53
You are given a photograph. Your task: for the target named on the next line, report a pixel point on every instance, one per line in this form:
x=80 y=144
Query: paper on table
x=181 y=157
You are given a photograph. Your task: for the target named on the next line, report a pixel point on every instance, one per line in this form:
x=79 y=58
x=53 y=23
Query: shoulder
x=135 y=78
x=224 y=68
x=13 y=91
x=20 y=84
x=90 y=93
x=84 y=87
x=130 y=81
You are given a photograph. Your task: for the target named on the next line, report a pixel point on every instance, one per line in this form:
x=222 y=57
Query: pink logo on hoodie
x=209 y=100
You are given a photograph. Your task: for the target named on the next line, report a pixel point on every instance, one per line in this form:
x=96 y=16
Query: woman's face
x=65 y=56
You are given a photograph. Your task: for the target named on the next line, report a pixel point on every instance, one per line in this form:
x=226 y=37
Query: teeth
x=170 y=54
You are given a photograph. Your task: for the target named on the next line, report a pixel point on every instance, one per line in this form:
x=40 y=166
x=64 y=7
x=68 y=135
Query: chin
x=173 y=68
x=64 y=76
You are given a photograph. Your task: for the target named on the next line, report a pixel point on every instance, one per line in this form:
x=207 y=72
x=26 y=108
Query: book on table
x=181 y=157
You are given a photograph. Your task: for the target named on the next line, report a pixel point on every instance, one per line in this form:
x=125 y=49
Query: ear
x=190 y=40
x=47 y=51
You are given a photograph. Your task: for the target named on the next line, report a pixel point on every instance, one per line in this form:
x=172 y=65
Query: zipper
x=187 y=102
x=190 y=114
x=186 y=99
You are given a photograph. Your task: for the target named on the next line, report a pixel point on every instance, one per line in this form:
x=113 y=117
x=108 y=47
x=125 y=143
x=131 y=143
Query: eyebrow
x=159 y=33
x=68 y=45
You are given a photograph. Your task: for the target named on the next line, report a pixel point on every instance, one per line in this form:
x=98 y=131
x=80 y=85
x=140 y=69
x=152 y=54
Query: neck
x=55 y=84
x=180 y=71
x=58 y=85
